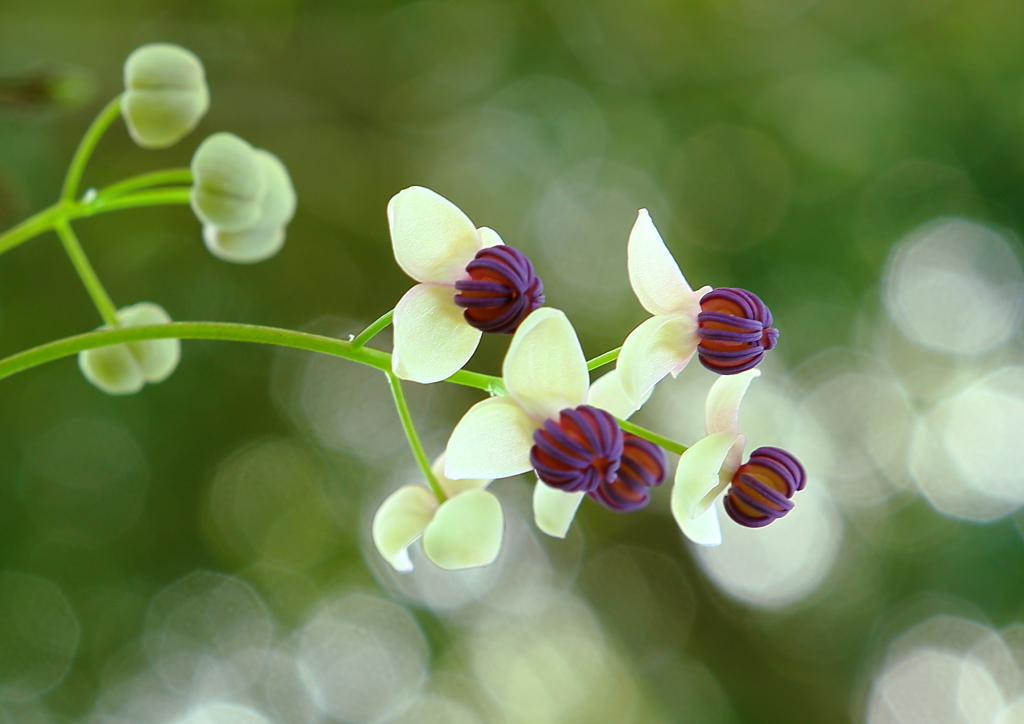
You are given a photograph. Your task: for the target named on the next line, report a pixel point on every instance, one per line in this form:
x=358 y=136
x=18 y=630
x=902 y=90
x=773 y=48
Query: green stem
x=414 y=439
x=86 y=273
x=603 y=359
x=218 y=330
x=156 y=197
x=370 y=332
x=670 y=445
x=30 y=228
x=165 y=177
x=86 y=146
x=229 y=331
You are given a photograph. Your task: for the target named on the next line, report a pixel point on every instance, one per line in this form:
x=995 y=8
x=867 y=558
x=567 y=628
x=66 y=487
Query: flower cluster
x=571 y=434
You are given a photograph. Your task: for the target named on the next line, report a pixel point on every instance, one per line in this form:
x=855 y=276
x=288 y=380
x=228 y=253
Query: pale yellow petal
x=722 y=408
x=654 y=349
x=400 y=520
x=554 y=510
x=492 y=440
x=545 y=370
x=431 y=237
x=466 y=531
x=432 y=340
x=654 y=275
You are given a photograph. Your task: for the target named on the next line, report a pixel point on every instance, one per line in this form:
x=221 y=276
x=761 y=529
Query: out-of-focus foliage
x=200 y=552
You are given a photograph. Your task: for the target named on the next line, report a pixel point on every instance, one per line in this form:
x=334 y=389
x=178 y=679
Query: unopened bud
x=123 y=369
x=266 y=238
x=229 y=183
x=165 y=94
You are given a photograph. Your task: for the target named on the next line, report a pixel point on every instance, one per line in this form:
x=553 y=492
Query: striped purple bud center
x=585 y=450
x=501 y=291
x=642 y=467
x=735 y=330
x=761 y=489
x=579 y=451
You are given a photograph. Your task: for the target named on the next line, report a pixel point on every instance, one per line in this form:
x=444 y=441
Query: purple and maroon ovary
x=501 y=291
x=761 y=489
x=735 y=330
x=586 y=451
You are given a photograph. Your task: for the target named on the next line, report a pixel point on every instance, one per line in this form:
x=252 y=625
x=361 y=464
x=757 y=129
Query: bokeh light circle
x=39 y=635
x=362 y=658
x=208 y=634
x=956 y=286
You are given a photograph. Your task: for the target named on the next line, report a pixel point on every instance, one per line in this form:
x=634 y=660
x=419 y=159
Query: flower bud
x=165 y=94
x=123 y=369
x=266 y=238
x=229 y=182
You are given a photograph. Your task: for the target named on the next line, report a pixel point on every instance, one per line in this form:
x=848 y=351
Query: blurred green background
x=200 y=552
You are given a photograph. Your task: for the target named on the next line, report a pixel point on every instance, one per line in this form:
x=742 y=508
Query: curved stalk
x=602 y=359
x=414 y=439
x=86 y=146
x=166 y=177
x=373 y=330
x=668 y=444
x=261 y=335
x=93 y=285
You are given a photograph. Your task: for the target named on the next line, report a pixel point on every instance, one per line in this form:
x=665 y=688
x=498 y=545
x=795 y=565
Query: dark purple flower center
x=501 y=291
x=762 y=487
x=580 y=451
x=735 y=330
x=642 y=467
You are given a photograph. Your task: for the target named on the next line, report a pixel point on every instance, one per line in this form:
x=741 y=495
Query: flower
x=469 y=283
x=244 y=197
x=730 y=329
x=464 y=531
x=165 y=94
x=760 y=490
x=554 y=422
x=123 y=369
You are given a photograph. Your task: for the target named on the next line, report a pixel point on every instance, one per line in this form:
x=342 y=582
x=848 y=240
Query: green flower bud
x=123 y=369
x=165 y=94
x=229 y=183
x=266 y=238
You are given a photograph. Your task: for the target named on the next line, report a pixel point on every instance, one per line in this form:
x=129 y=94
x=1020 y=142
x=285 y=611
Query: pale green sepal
x=492 y=440
x=466 y=531
x=554 y=510
x=658 y=283
x=451 y=487
x=247 y=246
x=401 y=519
x=698 y=481
x=607 y=394
x=112 y=369
x=123 y=369
x=722 y=408
x=544 y=369
x=705 y=529
x=157 y=358
x=165 y=94
x=659 y=346
x=229 y=183
x=432 y=340
x=432 y=239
